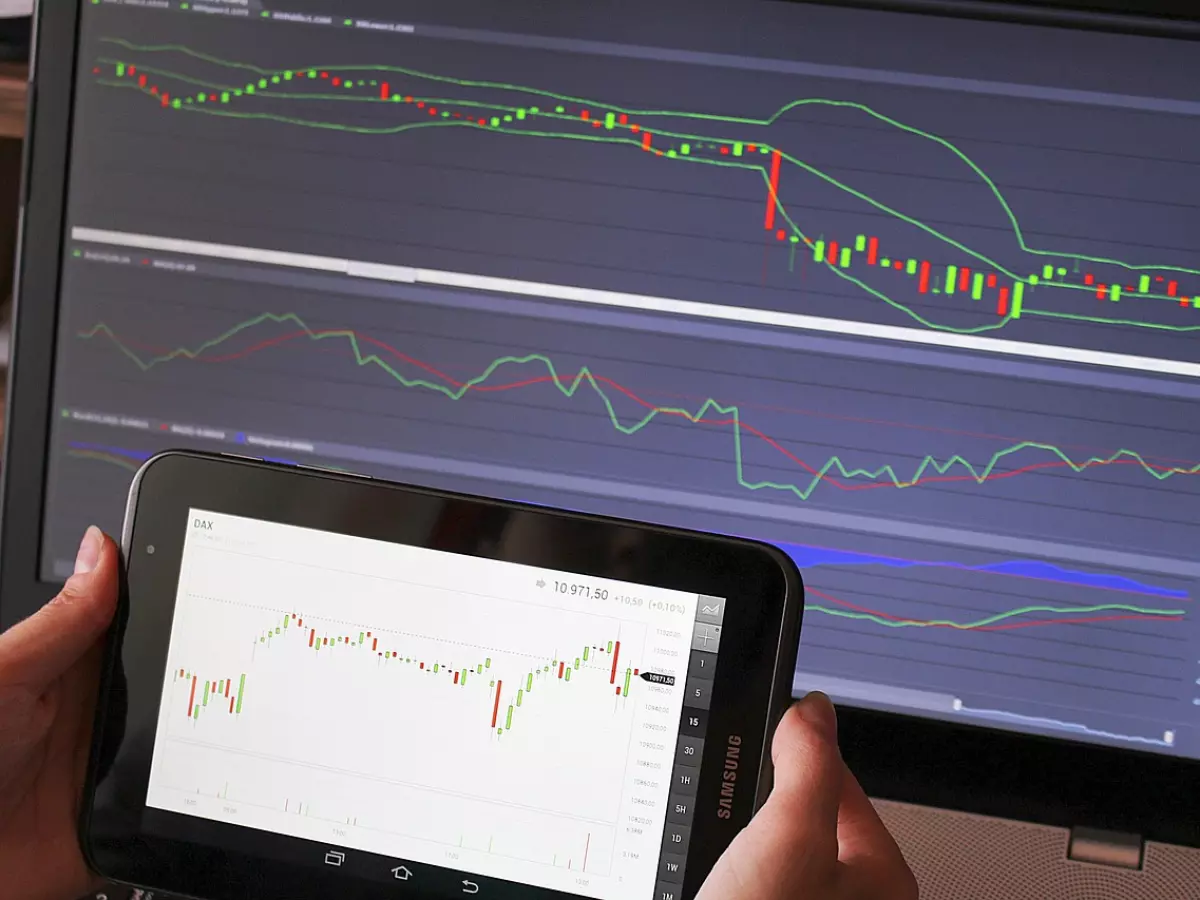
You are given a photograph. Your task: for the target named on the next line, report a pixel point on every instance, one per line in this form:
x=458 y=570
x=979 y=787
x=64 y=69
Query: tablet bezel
x=898 y=757
x=125 y=841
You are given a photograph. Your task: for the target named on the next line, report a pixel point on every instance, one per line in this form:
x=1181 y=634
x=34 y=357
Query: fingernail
x=817 y=710
x=89 y=551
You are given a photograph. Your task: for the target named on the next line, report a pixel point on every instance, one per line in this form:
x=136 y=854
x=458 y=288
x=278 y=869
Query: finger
x=790 y=848
x=808 y=766
x=41 y=648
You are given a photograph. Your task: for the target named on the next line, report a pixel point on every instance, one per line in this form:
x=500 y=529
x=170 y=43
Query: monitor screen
x=916 y=299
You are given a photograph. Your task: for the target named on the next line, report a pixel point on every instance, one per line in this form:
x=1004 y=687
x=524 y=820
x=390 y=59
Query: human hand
x=817 y=837
x=49 y=669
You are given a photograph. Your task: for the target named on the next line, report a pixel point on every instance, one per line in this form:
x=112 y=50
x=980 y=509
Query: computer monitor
x=914 y=296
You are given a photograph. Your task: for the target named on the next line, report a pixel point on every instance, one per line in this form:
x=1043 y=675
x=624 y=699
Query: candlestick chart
x=602 y=659
x=909 y=269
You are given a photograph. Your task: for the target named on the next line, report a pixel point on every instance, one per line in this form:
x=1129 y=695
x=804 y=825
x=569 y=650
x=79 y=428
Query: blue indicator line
x=810 y=557
x=1002 y=715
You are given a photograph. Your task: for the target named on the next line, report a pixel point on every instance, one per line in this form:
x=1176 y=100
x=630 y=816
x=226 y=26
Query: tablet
x=323 y=685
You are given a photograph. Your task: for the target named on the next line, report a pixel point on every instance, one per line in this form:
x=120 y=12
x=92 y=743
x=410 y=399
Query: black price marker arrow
x=655 y=678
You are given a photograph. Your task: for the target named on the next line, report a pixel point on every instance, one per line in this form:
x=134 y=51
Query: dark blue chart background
x=985 y=538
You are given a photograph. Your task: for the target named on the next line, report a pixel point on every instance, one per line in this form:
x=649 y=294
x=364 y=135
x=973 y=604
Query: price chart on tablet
x=422 y=705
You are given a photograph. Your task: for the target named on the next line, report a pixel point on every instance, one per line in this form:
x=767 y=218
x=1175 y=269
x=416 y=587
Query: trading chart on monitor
x=915 y=299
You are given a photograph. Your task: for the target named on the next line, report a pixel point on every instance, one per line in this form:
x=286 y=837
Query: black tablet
x=323 y=685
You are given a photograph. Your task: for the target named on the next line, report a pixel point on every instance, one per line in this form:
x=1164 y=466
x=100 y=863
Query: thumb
x=790 y=848
x=40 y=649
x=808 y=768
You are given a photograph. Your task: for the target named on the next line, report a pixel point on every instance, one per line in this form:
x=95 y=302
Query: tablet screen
x=393 y=700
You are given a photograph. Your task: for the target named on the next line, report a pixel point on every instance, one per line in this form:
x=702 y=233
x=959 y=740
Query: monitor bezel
x=897 y=757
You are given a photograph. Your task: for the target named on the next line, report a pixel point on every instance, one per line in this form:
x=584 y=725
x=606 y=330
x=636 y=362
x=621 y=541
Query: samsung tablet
x=324 y=685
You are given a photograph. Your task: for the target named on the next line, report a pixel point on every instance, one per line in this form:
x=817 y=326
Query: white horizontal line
x=643 y=302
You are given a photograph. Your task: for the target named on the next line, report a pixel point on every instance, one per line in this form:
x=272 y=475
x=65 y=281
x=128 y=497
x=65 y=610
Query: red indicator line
x=312 y=634
x=773 y=190
x=385 y=91
x=337 y=81
x=585 y=115
x=456 y=678
x=299 y=623
x=496 y=705
x=192 y=698
x=422 y=665
x=612 y=679
x=141 y=81
x=227 y=687
x=646 y=140
x=231 y=699
x=1089 y=280
x=780 y=235
x=623 y=119
x=872 y=251
x=923 y=284
x=1002 y=303
x=647 y=404
x=964 y=279
x=618 y=690
x=374 y=644
x=561 y=666
x=1102 y=292
x=991 y=282
x=1172 y=288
